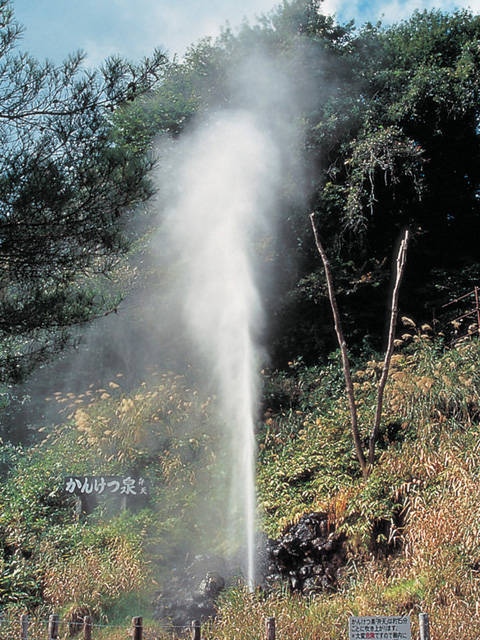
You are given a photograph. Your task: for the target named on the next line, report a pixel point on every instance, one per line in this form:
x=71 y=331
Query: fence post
x=270 y=628
x=24 y=627
x=87 y=628
x=196 y=630
x=424 y=626
x=53 y=627
x=137 y=624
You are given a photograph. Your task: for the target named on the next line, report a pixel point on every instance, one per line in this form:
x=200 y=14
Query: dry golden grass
x=90 y=577
x=431 y=474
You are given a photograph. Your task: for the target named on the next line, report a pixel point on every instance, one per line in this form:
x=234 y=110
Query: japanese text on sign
x=379 y=628
x=97 y=485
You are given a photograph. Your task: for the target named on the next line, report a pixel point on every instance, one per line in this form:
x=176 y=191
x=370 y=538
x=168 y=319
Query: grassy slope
x=412 y=525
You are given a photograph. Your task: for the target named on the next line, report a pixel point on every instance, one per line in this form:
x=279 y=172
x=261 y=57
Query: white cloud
x=331 y=7
x=55 y=28
x=176 y=25
x=390 y=11
x=396 y=10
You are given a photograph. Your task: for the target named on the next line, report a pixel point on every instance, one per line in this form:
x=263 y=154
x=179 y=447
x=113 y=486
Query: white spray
x=226 y=189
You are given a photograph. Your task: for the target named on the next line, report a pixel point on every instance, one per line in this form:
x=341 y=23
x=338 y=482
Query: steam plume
x=225 y=195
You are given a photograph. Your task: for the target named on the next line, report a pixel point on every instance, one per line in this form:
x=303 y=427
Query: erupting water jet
x=221 y=214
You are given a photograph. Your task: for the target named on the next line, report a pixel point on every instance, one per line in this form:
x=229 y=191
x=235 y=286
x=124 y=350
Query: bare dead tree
x=400 y=268
x=357 y=441
x=365 y=464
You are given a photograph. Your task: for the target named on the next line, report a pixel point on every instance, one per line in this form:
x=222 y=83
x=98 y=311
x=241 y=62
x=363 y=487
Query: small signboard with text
x=379 y=628
x=98 y=485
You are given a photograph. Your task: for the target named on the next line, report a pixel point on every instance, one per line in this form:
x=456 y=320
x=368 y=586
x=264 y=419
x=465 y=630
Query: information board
x=379 y=628
x=98 y=485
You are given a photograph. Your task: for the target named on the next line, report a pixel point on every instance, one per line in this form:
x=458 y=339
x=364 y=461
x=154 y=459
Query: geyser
x=219 y=225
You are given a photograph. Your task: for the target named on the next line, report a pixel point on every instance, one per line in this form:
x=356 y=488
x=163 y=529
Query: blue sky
x=133 y=28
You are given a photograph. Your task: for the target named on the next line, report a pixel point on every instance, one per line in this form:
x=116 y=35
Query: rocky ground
x=307 y=558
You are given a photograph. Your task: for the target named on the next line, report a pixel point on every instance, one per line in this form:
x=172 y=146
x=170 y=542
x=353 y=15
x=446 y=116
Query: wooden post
x=269 y=628
x=24 y=627
x=87 y=628
x=137 y=624
x=424 y=626
x=53 y=627
x=196 y=630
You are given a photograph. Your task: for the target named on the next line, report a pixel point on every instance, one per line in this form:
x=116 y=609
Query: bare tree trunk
x=401 y=259
x=343 y=350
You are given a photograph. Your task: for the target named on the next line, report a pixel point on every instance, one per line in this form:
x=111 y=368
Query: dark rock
x=307 y=557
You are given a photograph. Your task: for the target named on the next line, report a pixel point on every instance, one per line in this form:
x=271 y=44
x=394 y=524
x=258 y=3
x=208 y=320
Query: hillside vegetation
x=411 y=526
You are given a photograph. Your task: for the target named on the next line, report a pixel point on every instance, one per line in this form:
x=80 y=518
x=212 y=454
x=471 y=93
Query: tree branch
x=343 y=350
x=401 y=259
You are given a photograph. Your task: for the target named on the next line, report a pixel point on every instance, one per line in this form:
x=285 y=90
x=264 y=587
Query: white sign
x=85 y=485
x=379 y=628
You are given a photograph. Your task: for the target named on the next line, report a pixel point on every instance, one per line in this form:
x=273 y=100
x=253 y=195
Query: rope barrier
x=25 y=621
x=136 y=627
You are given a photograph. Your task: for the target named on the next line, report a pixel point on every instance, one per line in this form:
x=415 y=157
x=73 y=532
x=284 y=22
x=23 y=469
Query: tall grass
x=425 y=489
x=412 y=525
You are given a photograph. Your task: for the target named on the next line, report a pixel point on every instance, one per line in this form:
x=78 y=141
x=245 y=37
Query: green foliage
x=30 y=505
x=305 y=447
x=414 y=543
x=383 y=151
x=114 y=564
x=388 y=116
x=432 y=386
x=404 y=153
x=295 y=617
x=65 y=191
x=157 y=431
x=412 y=513
x=306 y=457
